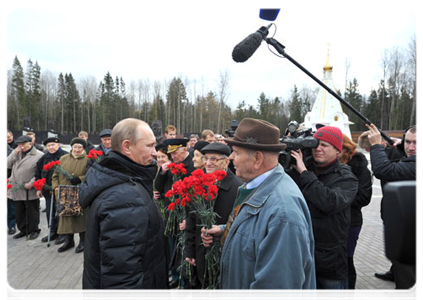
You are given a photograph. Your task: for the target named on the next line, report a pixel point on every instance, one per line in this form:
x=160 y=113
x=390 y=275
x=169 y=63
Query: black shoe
x=183 y=292
x=52 y=238
x=11 y=231
x=388 y=276
x=19 y=235
x=69 y=243
x=34 y=235
x=173 y=284
x=80 y=248
x=60 y=239
x=391 y=294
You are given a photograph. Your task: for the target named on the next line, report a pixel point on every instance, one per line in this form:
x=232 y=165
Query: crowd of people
x=272 y=228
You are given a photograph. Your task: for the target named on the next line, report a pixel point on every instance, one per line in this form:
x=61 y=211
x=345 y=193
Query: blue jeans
x=11 y=217
x=331 y=284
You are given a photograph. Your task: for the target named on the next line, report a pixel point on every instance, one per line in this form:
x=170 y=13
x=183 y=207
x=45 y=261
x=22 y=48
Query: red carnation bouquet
x=40 y=184
x=55 y=166
x=95 y=155
x=9 y=185
x=199 y=191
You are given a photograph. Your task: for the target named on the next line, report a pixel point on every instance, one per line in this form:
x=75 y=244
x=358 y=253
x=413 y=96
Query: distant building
x=327 y=110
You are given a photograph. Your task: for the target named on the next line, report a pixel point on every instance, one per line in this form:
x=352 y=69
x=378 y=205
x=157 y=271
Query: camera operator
x=329 y=188
x=386 y=170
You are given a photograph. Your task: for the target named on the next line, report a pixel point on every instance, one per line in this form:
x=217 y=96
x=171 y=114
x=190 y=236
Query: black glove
x=75 y=180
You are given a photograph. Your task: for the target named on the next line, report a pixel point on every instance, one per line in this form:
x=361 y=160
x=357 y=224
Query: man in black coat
x=329 y=189
x=388 y=171
x=54 y=152
x=215 y=157
x=124 y=241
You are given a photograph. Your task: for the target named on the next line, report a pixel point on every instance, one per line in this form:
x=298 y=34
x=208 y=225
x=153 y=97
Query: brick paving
x=32 y=266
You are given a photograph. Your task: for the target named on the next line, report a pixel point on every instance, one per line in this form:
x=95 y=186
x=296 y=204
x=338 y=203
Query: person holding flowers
x=54 y=153
x=167 y=175
x=216 y=158
x=73 y=167
x=23 y=161
x=268 y=241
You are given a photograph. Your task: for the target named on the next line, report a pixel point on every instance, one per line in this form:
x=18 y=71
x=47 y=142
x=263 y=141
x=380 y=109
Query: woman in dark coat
x=358 y=163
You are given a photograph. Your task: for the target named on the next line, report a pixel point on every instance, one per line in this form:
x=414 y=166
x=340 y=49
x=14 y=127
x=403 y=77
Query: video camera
x=295 y=139
x=234 y=125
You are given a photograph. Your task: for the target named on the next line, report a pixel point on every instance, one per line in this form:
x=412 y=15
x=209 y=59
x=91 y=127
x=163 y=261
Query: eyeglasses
x=212 y=159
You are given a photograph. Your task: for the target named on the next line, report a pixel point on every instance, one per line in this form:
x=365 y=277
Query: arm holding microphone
x=245 y=49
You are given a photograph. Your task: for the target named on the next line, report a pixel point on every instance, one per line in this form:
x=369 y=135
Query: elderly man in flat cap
x=215 y=157
x=105 y=145
x=268 y=239
x=177 y=148
x=23 y=162
x=53 y=153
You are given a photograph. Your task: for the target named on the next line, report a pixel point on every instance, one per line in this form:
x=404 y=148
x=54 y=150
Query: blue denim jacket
x=270 y=244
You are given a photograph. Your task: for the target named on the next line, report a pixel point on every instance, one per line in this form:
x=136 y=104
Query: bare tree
x=223 y=87
x=412 y=64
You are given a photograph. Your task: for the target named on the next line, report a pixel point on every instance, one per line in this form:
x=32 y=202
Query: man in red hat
x=329 y=188
x=268 y=239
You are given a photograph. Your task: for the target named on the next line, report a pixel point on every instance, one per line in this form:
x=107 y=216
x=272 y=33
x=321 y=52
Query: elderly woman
x=197 y=158
x=75 y=163
x=358 y=163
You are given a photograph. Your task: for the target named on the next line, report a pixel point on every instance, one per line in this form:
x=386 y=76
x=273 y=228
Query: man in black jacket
x=329 y=189
x=386 y=170
x=54 y=152
x=215 y=157
x=124 y=242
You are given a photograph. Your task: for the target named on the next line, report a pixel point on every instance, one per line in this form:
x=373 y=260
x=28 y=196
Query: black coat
x=45 y=159
x=329 y=196
x=124 y=242
x=386 y=170
x=358 y=164
x=223 y=206
x=7 y=151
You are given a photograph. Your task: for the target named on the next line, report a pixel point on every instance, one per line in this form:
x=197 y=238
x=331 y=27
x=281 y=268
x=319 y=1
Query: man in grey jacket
x=23 y=162
x=268 y=239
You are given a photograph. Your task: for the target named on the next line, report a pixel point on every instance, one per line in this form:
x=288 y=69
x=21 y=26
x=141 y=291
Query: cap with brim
x=105 y=133
x=78 y=140
x=217 y=148
x=257 y=134
x=51 y=140
x=200 y=145
x=23 y=139
x=174 y=144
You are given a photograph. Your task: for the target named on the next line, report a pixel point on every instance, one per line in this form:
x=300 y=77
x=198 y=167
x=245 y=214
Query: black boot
x=80 y=247
x=69 y=243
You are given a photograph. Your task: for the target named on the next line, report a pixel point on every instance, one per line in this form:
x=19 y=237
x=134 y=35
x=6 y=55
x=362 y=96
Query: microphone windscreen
x=247 y=47
x=269 y=14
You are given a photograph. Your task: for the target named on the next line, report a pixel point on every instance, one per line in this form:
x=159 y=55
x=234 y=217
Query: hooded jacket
x=124 y=242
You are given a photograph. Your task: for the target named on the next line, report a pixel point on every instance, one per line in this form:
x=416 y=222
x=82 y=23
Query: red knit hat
x=330 y=134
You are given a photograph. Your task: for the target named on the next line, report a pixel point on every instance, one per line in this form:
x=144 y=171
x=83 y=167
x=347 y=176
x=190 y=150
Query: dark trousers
x=54 y=218
x=28 y=215
x=11 y=217
x=353 y=234
x=405 y=275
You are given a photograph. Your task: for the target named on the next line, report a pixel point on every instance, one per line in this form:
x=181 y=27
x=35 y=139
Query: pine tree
x=353 y=97
x=18 y=86
x=295 y=107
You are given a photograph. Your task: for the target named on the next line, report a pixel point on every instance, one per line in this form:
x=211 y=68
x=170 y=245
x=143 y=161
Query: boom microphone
x=269 y=14
x=245 y=49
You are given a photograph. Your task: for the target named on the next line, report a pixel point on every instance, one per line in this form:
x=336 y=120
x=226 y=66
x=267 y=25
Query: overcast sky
x=159 y=40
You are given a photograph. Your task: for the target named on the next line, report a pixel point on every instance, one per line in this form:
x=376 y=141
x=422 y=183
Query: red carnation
x=171 y=206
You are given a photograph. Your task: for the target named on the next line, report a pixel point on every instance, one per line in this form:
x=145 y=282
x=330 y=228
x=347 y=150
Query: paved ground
x=33 y=266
